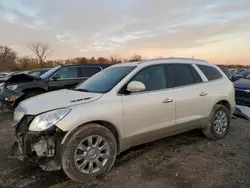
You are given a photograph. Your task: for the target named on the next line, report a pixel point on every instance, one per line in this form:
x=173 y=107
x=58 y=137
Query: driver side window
x=153 y=77
x=66 y=73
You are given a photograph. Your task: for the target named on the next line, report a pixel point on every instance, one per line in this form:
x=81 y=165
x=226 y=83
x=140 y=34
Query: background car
x=23 y=86
x=240 y=74
x=226 y=71
x=36 y=72
x=242 y=90
x=233 y=71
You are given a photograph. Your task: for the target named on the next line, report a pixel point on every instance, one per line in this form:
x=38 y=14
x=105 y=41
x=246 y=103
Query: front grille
x=242 y=94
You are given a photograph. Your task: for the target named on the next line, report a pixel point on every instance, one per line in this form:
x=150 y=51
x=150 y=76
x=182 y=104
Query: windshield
x=105 y=80
x=50 y=72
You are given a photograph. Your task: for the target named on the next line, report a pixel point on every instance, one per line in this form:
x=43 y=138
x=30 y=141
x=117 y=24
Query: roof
x=164 y=60
x=89 y=65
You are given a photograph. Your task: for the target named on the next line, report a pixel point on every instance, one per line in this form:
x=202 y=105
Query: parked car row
x=19 y=87
x=103 y=111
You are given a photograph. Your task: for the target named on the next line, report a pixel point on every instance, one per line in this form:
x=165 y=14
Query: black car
x=226 y=71
x=22 y=86
x=36 y=72
x=242 y=91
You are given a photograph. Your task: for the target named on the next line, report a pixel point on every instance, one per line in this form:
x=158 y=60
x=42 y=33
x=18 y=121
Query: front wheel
x=219 y=123
x=89 y=153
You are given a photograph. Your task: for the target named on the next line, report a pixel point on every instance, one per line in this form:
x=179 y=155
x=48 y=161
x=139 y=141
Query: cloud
x=100 y=27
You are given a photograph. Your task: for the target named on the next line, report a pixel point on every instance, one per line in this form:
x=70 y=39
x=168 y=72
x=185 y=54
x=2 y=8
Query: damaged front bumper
x=44 y=147
x=10 y=98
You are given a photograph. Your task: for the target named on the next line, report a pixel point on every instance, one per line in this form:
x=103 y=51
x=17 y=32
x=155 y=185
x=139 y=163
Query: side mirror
x=135 y=86
x=56 y=77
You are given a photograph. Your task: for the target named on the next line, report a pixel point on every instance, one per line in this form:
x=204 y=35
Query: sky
x=215 y=30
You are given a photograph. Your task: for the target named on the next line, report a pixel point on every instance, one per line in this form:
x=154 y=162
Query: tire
x=210 y=130
x=69 y=164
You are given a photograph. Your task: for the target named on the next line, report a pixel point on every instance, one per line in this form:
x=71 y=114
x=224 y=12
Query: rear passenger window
x=88 y=71
x=182 y=74
x=210 y=72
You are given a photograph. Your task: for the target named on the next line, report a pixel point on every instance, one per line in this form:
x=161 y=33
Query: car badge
x=247 y=90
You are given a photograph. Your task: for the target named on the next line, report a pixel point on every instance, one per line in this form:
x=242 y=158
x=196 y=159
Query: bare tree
x=41 y=50
x=115 y=58
x=135 y=57
x=7 y=59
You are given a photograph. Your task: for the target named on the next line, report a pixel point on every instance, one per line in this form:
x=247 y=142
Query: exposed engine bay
x=40 y=147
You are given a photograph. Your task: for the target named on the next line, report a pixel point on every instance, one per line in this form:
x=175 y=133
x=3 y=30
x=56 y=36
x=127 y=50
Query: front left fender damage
x=43 y=148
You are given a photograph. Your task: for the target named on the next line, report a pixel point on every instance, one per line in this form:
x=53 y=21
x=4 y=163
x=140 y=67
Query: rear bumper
x=10 y=98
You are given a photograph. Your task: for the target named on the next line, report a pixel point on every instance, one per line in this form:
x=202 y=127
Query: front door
x=150 y=114
x=64 y=78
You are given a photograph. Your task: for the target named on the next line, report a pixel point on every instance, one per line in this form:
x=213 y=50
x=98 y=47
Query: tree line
x=10 y=61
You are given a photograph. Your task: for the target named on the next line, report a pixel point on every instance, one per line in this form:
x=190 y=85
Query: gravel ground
x=186 y=160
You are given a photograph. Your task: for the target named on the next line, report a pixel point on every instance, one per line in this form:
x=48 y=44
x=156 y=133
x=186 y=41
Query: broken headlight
x=12 y=87
x=46 y=120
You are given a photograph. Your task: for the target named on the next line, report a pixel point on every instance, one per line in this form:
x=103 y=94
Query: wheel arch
x=225 y=103
x=111 y=127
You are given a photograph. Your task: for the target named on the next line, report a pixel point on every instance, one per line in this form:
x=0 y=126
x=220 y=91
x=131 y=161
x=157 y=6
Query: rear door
x=150 y=114
x=190 y=99
x=86 y=72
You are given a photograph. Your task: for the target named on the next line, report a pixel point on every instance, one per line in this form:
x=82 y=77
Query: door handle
x=167 y=100
x=203 y=94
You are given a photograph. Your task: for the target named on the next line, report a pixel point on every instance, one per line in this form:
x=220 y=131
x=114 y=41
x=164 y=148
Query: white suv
x=82 y=130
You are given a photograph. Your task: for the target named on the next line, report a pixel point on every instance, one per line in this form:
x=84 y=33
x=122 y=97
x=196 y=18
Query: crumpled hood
x=22 y=78
x=57 y=99
x=242 y=84
x=3 y=79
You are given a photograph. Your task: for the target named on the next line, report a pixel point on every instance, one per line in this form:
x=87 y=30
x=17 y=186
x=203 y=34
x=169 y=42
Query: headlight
x=48 y=119
x=12 y=87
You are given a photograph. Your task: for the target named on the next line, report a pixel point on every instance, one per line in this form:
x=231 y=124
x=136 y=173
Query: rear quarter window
x=210 y=72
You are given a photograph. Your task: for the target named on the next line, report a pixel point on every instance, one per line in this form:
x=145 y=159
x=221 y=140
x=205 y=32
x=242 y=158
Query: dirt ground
x=187 y=160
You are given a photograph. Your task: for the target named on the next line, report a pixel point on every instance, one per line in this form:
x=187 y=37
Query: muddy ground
x=186 y=160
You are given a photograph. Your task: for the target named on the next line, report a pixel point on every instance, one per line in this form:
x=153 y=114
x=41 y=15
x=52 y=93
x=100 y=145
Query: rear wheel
x=219 y=123
x=89 y=153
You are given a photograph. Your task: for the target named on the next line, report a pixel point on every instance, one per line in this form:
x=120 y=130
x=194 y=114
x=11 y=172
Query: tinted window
x=88 y=71
x=49 y=73
x=67 y=73
x=182 y=74
x=210 y=72
x=153 y=77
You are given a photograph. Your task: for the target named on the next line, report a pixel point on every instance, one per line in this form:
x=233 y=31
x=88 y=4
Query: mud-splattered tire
x=77 y=151
x=219 y=120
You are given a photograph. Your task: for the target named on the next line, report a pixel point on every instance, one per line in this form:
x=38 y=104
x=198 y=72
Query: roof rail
x=169 y=58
